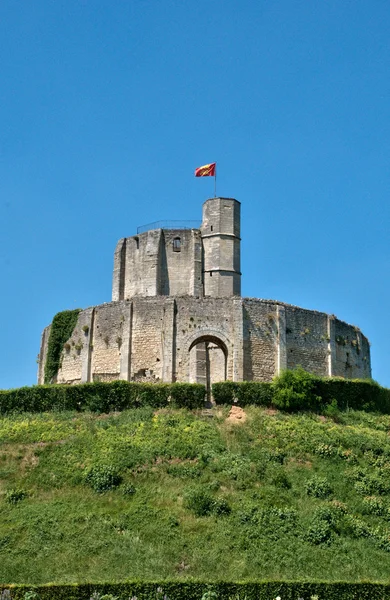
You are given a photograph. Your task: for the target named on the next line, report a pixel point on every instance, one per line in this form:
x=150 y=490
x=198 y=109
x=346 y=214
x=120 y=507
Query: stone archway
x=208 y=361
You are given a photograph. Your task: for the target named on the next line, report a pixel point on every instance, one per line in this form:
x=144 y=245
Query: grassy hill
x=174 y=494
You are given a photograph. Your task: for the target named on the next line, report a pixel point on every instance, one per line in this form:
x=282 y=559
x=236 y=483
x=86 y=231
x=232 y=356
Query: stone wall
x=260 y=340
x=207 y=319
x=307 y=340
x=43 y=354
x=160 y=262
x=167 y=338
x=352 y=352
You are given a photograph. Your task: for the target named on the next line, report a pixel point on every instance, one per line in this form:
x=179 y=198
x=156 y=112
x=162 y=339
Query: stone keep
x=177 y=315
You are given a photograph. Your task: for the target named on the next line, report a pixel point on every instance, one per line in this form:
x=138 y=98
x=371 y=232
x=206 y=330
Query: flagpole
x=215 y=182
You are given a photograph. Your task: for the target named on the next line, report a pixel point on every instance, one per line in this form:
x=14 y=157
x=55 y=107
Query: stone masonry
x=177 y=315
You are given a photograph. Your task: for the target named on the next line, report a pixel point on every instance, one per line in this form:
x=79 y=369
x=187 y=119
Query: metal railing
x=169 y=225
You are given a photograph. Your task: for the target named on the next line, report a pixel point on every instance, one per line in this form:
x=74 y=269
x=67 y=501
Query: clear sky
x=107 y=107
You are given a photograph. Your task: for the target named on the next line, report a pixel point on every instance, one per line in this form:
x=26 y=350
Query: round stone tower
x=221 y=247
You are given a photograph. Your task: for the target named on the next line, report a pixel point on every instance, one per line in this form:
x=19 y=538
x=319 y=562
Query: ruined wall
x=43 y=354
x=163 y=339
x=75 y=356
x=307 y=340
x=165 y=262
x=352 y=352
x=147 y=339
x=260 y=340
x=143 y=263
x=106 y=341
x=181 y=263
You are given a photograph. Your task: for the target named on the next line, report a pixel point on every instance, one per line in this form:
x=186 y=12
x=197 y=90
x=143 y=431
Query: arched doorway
x=208 y=361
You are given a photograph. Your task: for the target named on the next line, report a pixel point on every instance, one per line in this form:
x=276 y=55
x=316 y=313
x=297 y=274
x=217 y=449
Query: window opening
x=211 y=228
x=176 y=244
x=137 y=242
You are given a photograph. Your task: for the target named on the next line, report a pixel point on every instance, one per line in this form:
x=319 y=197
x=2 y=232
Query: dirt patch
x=271 y=411
x=236 y=415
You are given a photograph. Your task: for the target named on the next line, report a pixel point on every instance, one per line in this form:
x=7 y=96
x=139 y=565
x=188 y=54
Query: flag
x=206 y=170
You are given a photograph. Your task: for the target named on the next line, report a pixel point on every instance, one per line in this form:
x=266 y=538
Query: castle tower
x=221 y=247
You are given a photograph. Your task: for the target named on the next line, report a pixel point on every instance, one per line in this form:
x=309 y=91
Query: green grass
x=309 y=497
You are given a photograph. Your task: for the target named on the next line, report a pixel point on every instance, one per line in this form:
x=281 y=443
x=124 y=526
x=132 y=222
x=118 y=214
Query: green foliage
x=202 y=504
x=187 y=395
x=374 y=506
x=16 y=495
x=61 y=330
x=128 y=489
x=295 y=390
x=242 y=393
x=298 y=390
x=101 y=397
x=318 y=487
x=102 y=478
x=196 y=590
x=323 y=524
x=31 y=595
x=252 y=477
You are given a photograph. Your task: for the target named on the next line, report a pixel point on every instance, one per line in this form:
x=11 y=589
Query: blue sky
x=107 y=107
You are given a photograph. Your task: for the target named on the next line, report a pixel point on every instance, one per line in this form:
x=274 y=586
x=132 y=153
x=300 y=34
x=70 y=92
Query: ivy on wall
x=61 y=329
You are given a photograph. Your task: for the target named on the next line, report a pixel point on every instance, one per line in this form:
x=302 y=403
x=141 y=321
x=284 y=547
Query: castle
x=177 y=315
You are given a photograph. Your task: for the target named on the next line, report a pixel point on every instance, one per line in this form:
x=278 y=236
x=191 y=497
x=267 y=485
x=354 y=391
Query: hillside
x=157 y=494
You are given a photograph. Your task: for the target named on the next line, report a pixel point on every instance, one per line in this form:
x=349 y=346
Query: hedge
x=243 y=393
x=101 y=397
x=299 y=390
x=193 y=590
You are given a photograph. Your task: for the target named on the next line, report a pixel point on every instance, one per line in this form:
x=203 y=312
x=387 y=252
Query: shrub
x=319 y=532
x=15 y=496
x=102 y=478
x=279 y=479
x=202 y=503
x=128 y=489
x=199 y=501
x=374 y=506
x=356 y=527
x=332 y=411
x=318 y=487
x=295 y=390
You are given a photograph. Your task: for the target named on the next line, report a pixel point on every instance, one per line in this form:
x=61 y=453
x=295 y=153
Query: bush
x=319 y=532
x=295 y=390
x=102 y=478
x=318 y=487
x=199 y=501
x=15 y=496
x=374 y=506
x=203 y=504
